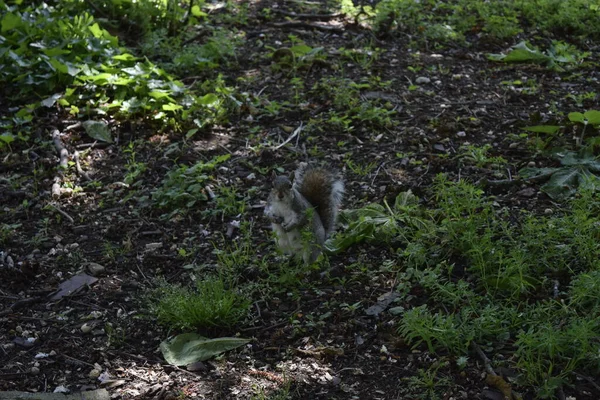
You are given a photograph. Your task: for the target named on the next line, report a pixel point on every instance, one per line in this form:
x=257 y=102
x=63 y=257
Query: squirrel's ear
x=273 y=174
x=291 y=176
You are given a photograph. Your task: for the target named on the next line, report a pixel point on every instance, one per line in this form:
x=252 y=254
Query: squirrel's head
x=282 y=188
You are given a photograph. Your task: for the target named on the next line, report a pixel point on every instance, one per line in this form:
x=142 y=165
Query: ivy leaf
x=50 y=101
x=171 y=107
x=189 y=348
x=10 y=21
x=208 y=99
x=196 y=12
x=98 y=130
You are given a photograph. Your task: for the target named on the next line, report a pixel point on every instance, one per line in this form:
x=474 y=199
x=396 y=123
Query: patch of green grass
x=210 y=304
x=523 y=284
x=350 y=109
x=441 y=22
x=182 y=58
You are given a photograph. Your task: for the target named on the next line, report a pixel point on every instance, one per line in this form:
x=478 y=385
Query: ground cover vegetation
x=137 y=141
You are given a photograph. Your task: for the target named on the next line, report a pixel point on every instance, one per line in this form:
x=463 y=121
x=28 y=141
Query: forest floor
x=445 y=109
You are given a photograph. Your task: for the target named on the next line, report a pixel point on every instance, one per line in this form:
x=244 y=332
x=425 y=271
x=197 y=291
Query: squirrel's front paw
x=287 y=226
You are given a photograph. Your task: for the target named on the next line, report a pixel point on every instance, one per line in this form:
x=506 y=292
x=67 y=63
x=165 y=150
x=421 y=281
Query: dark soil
x=303 y=334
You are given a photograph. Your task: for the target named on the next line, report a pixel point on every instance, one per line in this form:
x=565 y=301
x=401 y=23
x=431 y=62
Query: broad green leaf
x=576 y=117
x=58 y=66
x=124 y=57
x=300 y=49
x=171 y=107
x=208 y=99
x=551 y=129
x=191 y=133
x=98 y=130
x=521 y=52
x=96 y=30
x=50 y=101
x=99 y=78
x=189 y=348
x=529 y=173
x=406 y=199
x=588 y=181
x=7 y=138
x=16 y=58
x=197 y=12
x=592 y=116
x=136 y=70
x=563 y=183
x=158 y=94
x=55 y=51
x=584 y=157
x=10 y=21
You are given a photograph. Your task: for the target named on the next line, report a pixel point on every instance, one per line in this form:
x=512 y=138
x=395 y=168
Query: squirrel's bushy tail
x=324 y=190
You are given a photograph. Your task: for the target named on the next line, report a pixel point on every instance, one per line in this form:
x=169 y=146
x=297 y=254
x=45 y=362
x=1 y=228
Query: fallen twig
x=496 y=380
x=67 y=216
x=80 y=171
x=293 y=135
x=63 y=153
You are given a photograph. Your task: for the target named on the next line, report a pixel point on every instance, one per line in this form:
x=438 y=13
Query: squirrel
x=316 y=195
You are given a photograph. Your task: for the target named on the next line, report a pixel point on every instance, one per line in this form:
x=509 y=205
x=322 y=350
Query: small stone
x=251 y=177
x=61 y=389
x=34 y=370
x=527 y=192
x=513 y=145
x=548 y=211
x=531 y=164
x=422 y=79
x=95 y=373
x=85 y=328
x=461 y=134
x=95 y=269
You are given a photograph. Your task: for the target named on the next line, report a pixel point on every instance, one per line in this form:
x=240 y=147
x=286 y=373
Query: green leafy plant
x=381 y=223
x=557 y=55
x=184 y=186
x=577 y=170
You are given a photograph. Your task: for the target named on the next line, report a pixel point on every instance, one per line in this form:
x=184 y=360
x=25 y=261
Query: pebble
x=531 y=164
x=548 y=211
x=95 y=269
x=422 y=79
x=527 y=192
x=461 y=134
x=95 y=373
x=85 y=328
x=513 y=145
x=34 y=371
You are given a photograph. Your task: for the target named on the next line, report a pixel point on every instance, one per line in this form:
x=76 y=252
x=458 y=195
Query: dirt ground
x=305 y=342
